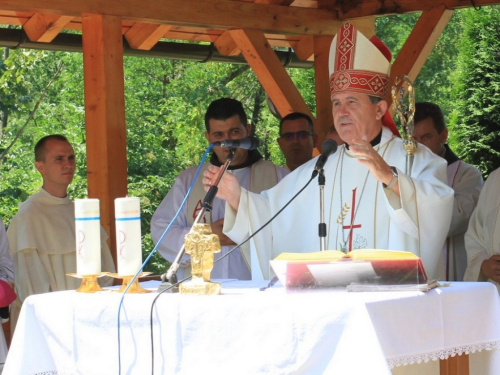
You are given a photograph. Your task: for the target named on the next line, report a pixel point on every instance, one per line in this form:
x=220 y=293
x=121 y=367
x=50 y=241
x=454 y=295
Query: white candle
x=128 y=235
x=88 y=237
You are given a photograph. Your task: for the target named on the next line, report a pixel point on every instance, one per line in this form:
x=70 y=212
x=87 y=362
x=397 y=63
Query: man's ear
x=207 y=137
x=382 y=107
x=39 y=166
x=444 y=136
x=249 y=129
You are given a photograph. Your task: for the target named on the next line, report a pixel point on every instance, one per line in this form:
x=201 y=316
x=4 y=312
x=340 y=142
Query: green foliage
x=476 y=119
x=433 y=82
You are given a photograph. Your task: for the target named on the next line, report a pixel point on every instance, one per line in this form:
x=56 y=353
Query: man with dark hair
x=225 y=119
x=467 y=181
x=42 y=233
x=297 y=139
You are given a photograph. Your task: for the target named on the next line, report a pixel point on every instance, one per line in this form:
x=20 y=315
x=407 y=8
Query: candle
x=128 y=235
x=88 y=237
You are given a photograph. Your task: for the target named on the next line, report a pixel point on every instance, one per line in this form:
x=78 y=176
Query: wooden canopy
x=248 y=27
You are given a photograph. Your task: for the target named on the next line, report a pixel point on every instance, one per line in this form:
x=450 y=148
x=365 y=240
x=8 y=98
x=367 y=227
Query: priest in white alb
x=370 y=202
x=482 y=239
x=42 y=233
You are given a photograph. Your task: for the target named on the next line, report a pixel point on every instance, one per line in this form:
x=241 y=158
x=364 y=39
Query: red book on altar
x=335 y=268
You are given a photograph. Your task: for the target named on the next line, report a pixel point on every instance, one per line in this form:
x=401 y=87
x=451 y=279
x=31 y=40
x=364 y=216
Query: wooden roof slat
x=304 y=48
x=45 y=27
x=226 y=45
x=145 y=35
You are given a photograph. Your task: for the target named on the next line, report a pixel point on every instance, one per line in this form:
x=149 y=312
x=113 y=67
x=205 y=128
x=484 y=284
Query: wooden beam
x=419 y=45
x=304 y=48
x=324 y=118
x=365 y=25
x=226 y=45
x=268 y=69
x=45 y=27
x=145 y=35
x=222 y=14
x=458 y=365
x=105 y=115
x=228 y=14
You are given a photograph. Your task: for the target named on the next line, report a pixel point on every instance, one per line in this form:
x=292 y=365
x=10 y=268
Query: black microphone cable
x=222 y=257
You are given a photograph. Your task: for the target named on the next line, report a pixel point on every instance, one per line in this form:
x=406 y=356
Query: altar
x=246 y=330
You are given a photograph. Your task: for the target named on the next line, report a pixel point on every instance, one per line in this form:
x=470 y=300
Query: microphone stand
x=170 y=278
x=322 y=224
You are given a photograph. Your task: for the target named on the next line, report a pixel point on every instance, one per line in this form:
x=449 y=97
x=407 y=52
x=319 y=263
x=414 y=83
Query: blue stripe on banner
x=87 y=218
x=127 y=218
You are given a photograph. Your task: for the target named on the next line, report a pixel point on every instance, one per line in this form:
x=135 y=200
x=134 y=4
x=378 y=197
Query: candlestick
x=128 y=235
x=88 y=237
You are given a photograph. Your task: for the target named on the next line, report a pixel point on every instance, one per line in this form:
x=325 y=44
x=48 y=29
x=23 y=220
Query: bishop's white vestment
x=42 y=243
x=359 y=212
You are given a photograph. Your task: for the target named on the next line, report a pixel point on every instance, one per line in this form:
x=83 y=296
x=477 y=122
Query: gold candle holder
x=89 y=282
x=135 y=287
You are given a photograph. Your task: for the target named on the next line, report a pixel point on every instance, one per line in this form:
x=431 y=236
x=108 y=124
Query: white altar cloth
x=247 y=331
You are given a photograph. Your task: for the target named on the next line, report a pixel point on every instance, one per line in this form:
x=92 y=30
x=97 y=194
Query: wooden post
x=105 y=115
x=458 y=365
x=324 y=118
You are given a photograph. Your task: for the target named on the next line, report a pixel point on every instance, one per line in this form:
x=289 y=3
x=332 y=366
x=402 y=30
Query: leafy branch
x=32 y=113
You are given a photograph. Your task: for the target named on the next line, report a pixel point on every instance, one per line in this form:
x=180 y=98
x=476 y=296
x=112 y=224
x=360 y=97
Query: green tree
x=433 y=82
x=476 y=118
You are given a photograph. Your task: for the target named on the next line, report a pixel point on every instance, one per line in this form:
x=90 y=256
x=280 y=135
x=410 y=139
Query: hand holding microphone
x=229 y=187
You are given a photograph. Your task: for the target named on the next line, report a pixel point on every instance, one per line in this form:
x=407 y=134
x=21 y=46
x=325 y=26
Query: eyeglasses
x=300 y=135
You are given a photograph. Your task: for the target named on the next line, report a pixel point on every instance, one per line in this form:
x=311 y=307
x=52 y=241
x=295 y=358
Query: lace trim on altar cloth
x=53 y=372
x=443 y=354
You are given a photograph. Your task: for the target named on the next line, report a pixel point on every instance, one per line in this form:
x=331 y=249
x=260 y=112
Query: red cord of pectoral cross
x=352 y=226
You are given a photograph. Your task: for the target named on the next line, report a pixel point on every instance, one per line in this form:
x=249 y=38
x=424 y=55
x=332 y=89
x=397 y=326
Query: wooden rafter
x=145 y=35
x=230 y=14
x=226 y=45
x=270 y=72
x=45 y=27
x=304 y=48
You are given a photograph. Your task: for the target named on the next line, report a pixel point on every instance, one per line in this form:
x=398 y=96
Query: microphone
x=248 y=143
x=329 y=147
